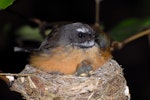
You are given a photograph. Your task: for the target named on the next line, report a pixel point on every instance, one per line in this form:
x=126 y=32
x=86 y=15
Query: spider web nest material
x=106 y=83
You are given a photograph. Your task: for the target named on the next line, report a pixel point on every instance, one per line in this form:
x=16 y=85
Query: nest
x=106 y=83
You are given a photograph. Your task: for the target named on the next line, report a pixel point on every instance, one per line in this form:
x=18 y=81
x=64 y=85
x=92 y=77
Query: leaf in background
x=6 y=28
x=128 y=28
x=28 y=33
x=145 y=23
x=5 y=3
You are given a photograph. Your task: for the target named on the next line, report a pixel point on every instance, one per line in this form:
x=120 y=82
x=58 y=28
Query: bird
x=71 y=49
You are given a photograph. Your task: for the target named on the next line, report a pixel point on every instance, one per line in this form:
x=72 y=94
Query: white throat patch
x=86 y=44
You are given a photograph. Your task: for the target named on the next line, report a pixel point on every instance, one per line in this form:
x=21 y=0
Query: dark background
x=134 y=57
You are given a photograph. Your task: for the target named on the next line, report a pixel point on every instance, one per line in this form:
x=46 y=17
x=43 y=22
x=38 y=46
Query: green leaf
x=5 y=3
x=128 y=27
x=28 y=33
x=7 y=28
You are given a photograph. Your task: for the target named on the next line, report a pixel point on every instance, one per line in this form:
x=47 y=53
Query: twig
x=90 y=95
x=138 y=35
x=42 y=26
x=32 y=85
x=96 y=25
x=97 y=9
x=119 y=45
x=37 y=21
x=9 y=74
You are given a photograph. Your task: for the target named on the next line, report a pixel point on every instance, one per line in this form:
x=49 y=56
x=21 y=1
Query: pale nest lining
x=107 y=83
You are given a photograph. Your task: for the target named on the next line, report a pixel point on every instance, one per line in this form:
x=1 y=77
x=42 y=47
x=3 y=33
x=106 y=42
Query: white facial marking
x=83 y=30
x=86 y=44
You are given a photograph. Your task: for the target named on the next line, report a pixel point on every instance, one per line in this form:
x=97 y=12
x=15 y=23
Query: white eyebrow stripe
x=83 y=30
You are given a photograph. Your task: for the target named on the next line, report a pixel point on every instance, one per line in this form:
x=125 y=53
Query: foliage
x=5 y=3
x=128 y=27
x=29 y=33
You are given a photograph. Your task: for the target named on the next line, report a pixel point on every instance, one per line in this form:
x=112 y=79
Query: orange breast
x=65 y=60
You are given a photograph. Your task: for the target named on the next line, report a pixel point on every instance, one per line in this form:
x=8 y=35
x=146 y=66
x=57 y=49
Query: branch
x=138 y=35
x=10 y=74
x=119 y=45
x=97 y=9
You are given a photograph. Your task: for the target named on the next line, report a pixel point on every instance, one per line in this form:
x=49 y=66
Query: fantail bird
x=71 y=49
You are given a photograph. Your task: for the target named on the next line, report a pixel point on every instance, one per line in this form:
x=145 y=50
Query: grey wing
x=51 y=41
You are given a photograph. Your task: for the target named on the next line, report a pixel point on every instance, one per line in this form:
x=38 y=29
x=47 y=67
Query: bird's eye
x=80 y=34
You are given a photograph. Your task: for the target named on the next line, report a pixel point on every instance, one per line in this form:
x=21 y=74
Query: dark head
x=78 y=34
x=75 y=34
